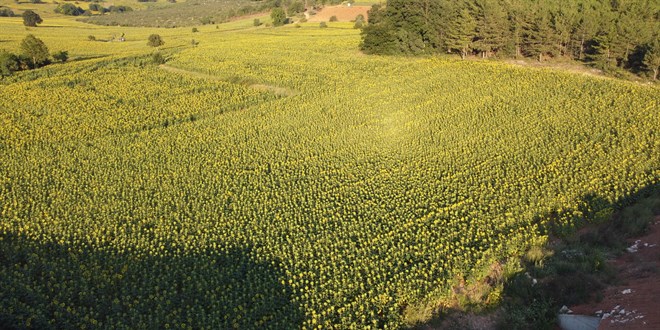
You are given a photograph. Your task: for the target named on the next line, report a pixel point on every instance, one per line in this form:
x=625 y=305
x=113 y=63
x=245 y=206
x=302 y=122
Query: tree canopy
x=278 y=16
x=155 y=40
x=6 y=12
x=35 y=49
x=8 y=63
x=31 y=18
x=69 y=9
x=606 y=34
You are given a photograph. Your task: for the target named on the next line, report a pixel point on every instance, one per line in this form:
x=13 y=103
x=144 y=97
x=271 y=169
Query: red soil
x=637 y=272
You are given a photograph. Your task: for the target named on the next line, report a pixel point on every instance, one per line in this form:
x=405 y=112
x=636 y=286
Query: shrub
x=278 y=16
x=119 y=9
x=35 y=49
x=157 y=58
x=297 y=7
x=333 y=18
x=69 y=10
x=207 y=20
x=61 y=56
x=6 y=12
x=155 y=41
x=195 y=30
x=31 y=18
x=359 y=21
x=256 y=22
x=323 y=25
x=8 y=63
x=97 y=7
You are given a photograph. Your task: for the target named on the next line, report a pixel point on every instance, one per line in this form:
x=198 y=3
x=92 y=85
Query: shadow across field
x=572 y=269
x=73 y=286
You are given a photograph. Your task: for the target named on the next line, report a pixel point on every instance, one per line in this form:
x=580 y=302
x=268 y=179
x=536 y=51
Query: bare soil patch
x=632 y=303
x=343 y=13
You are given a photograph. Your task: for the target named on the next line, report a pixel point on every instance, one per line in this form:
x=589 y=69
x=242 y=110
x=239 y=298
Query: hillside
x=187 y=13
x=374 y=191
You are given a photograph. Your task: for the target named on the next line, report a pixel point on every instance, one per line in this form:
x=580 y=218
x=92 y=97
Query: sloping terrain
x=383 y=190
x=188 y=13
x=632 y=303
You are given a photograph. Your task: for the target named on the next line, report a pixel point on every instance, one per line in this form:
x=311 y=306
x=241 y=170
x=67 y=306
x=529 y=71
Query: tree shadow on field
x=571 y=269
x=72 y=286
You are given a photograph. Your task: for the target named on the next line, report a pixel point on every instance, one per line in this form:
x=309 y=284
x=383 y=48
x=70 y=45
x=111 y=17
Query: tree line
x=612 y=35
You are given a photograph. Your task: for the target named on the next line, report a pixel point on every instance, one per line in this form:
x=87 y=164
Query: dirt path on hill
x=282 y=91
x=635 y=302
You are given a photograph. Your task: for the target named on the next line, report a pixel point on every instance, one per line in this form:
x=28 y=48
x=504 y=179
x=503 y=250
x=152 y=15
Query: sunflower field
x=373 y=192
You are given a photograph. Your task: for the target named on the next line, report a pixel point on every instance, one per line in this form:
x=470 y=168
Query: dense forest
x=612 y=35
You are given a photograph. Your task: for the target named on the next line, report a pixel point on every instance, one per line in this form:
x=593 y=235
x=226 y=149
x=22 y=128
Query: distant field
x=375 y=192
x=189 y=13
x=46 y=7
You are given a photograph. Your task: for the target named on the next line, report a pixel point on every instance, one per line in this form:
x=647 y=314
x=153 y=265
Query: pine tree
x=634 y=27
x=492 y=28
x=585 y=28
x=518 y=17
x=460 y=32
x=563 y=19
x=652 y=57
x=601 y=53
x=540 y=38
